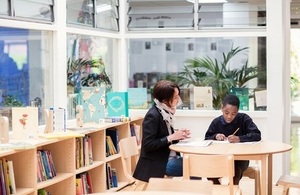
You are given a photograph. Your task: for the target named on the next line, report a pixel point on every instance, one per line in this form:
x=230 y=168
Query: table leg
x=270 y=173
x=264 y=174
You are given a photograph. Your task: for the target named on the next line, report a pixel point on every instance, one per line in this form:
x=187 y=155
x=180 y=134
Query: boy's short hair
x=231 y=100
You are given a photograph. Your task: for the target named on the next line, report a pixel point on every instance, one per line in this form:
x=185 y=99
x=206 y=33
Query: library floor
x=247 y=186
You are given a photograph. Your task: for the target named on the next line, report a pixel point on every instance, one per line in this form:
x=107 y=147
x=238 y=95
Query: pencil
x=235 y=131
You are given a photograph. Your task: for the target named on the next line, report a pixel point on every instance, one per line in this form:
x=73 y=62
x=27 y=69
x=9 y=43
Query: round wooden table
x=149 y=193
x=262 y=151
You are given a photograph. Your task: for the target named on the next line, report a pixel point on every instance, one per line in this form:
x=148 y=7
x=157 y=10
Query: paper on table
x=203 y=143
x=227 y=142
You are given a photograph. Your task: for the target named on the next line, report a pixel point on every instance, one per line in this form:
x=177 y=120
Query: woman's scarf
x=166 y=112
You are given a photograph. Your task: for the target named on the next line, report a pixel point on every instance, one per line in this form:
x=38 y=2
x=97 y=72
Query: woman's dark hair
x=164 y=90
x=231 y=100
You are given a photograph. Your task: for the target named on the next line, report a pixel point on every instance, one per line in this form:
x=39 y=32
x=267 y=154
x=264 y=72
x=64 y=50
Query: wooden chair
x=129 y=152
x=211 y=166
x=253 y=172
x=178 y=185
x=288 y=181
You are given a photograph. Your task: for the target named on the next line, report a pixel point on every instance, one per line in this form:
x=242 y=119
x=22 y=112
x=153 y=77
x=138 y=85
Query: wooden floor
x=247 y=187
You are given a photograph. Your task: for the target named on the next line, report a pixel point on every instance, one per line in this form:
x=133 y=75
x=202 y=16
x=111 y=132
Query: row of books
x=111 y=177
x=135 y=130
x=112 y=141
x=7 y=178
x=46 y=168
x=84 y=151
x=84 y=184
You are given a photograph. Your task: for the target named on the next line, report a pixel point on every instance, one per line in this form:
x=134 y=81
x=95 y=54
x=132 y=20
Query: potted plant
x=89 y=73
x=206 y=71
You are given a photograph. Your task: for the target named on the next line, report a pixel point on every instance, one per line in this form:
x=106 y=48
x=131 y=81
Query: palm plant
x=206 y=71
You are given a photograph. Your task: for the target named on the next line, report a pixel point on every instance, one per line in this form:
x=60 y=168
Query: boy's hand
x=233 y=139
x=220 y=137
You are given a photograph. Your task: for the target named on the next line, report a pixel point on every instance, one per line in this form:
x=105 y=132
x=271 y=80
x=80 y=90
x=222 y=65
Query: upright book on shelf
x=137 y=98
x=117 y=104
x=93 y=103
x=203 y=98
x=24 y=122
x=243 y=95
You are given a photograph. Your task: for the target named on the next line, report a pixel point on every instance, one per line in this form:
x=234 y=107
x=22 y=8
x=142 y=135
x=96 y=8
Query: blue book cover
x=117 y=104
x=93 y=103
x=137 y=98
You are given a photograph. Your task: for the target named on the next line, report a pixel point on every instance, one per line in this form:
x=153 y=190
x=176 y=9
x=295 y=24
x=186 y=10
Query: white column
x=278 y=80
x=59 y=55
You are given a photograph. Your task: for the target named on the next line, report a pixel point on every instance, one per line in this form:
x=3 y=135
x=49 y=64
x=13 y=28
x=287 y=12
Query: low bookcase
x=63 y=152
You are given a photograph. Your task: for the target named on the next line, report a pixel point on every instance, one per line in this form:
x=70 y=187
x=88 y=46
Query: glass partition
x=24 y=54
x=195 y=14
x=37 y=9
x=103 y=14
x=4 y=10
x=220 y=63
x=91 y=61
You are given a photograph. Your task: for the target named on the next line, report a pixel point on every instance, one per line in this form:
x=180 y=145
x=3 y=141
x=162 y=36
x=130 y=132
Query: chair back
x=209 y=166
x=129 y=155
x=179 y=185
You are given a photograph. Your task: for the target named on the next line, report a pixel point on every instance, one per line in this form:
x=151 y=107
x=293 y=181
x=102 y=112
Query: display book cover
x=24 y=122
x=117 y=104
x=137 y=98
x=92 y=100
x=203 y=98
x=243 y=95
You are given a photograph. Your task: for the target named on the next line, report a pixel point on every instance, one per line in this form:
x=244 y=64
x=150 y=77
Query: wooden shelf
x=63 y=152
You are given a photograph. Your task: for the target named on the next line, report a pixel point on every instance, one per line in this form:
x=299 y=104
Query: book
x=243 y=95
x=135 y=130
x=24 y=122
x=117 y=104
x=11 y=176
x=113 y=134
x=79 y=189
x=137 y=98
x=114 y=177
x=93 y=103
x=116 y=119
x=203 y=98
x=59 y=119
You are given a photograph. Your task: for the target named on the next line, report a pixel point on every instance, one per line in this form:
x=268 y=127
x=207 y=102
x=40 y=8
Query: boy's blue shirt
x=248 y=131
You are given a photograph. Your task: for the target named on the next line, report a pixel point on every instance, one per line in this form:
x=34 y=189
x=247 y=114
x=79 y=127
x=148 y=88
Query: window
x=153 y=59
x=90 y=64
x=103 y=14
x=190 y=14
x=36 y=10
x=24 y=55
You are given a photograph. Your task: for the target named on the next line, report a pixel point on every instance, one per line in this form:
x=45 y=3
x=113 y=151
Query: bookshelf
x=63 y=151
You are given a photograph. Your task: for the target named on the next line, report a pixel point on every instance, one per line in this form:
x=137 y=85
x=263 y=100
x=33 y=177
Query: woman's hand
x=180 y=134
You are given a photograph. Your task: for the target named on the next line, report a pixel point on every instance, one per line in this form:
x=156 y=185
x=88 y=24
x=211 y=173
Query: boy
x=233 y=127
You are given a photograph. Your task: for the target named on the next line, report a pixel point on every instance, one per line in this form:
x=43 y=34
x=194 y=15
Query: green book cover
x=243 y=95
x=137 y=98
x=117 y=104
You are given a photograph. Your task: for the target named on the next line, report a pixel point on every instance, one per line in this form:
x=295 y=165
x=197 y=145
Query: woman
x=156 y=159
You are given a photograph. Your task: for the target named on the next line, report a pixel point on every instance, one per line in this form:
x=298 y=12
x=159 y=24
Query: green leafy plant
x=11 y=101
x=206 y=71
